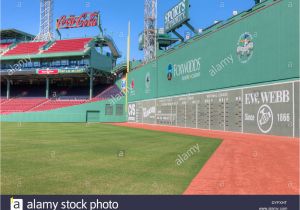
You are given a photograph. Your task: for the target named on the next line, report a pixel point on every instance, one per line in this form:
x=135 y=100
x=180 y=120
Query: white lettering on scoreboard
x=272 y=97
x=267 y=109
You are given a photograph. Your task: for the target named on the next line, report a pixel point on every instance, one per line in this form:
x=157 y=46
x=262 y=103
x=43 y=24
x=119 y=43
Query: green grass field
x=44 y=158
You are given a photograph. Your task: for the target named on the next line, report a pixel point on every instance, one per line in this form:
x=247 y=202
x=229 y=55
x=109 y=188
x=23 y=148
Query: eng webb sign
x=177 y=16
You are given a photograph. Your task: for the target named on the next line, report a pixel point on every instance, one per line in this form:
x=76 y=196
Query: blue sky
x=115 y=14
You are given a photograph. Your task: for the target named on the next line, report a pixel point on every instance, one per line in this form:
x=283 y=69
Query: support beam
x=58 y=33
x=100 y=25
x=178 y=35
x=191 y=28
x=7 y=88
x=47 y=87
x=91 y=83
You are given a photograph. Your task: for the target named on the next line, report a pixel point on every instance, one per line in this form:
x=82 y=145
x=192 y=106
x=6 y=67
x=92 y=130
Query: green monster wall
x=240 y=75
x=72 y=114
x=143 y=83
x=214 y=60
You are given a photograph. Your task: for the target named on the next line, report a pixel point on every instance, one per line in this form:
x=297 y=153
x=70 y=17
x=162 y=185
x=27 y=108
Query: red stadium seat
x=111 y=92
x=70 y=45
x=25 y=48
x=33 y=104
x=20 y=104
x=3 y=100
x=3 y=46
x=56 y=104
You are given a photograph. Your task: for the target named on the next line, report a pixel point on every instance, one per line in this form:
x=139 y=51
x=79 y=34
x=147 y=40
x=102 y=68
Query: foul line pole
x=128 y=66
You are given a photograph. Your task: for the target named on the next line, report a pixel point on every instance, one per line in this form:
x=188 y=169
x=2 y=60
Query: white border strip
x=203 y=129
x=224 y=113
x=294 y=109
x=242 y=99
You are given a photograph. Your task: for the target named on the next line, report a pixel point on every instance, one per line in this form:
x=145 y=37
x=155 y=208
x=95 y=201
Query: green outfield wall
x=215 y=59
x=271 y=109
x=102 y=111
x=241 y=75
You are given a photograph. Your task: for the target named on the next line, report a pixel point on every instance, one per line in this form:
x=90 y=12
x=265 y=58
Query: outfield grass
x=44 y=158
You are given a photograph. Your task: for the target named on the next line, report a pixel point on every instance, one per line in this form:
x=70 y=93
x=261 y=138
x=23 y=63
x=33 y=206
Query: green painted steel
x=143 y=83
x=47 y=87
x=240 y=75
x=69 y=114
x=258 y=46
x=7 y=88
x=92 y=116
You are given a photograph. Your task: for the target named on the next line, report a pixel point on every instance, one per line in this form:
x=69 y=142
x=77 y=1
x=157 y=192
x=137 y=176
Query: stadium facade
x=239 y=75
x=65 y=80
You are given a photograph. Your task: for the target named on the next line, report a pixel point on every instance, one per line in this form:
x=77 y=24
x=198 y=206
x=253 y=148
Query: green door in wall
x=92 y=116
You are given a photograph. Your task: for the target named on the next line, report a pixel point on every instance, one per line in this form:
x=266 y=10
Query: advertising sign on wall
x=46 y=71
x=59 y=71
x=87 y=19
x=269 y=110
x=177 y=16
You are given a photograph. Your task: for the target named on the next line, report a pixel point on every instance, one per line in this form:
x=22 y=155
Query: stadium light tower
x=150 y=29
x=46 y=21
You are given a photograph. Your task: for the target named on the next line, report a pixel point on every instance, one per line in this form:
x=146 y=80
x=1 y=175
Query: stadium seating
x=20 y=104
x=27 y=91
x=69 y=93
x=25 y=48
x=34 y=104
x=4 y=46
x=75 y=93
x=56 y=104
x=70 y=45
x=73 y=97
x=3 y=91
x=98 y=89
x=3 y=100
x=112 y=91
x=24 y=103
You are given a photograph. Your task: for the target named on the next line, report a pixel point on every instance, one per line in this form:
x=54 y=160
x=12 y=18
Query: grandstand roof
x=15 y=34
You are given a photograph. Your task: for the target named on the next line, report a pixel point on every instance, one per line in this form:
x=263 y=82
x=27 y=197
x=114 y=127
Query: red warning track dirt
x=244 y=164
